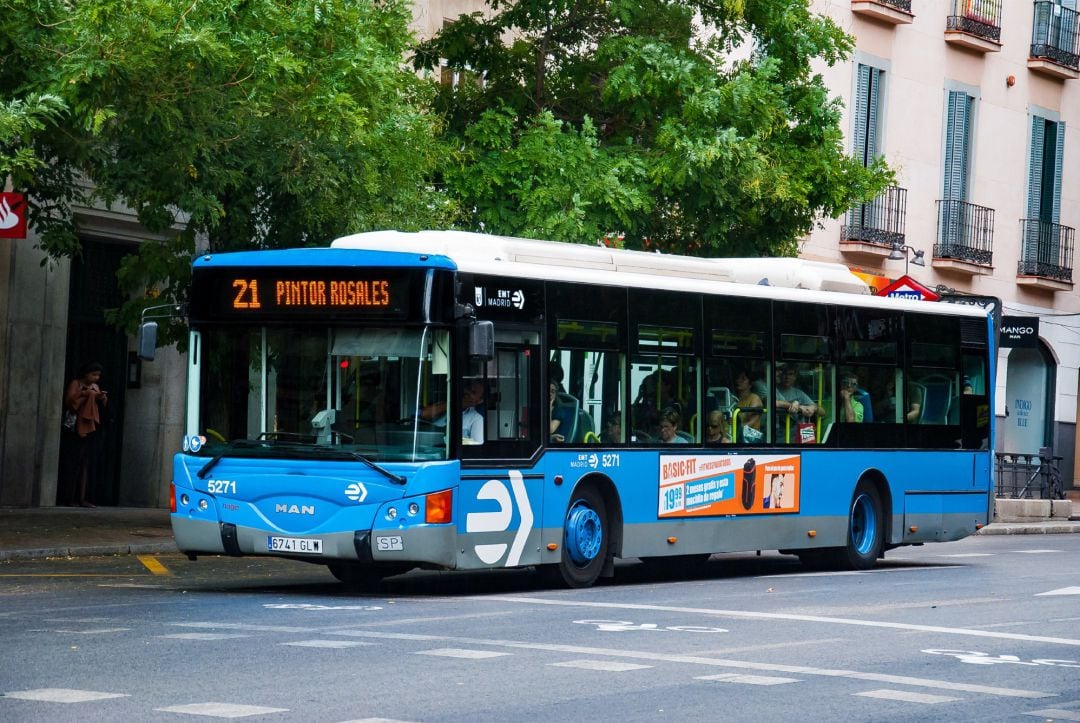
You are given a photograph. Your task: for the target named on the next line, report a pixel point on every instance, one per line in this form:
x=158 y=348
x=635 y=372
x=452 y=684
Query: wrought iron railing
x=904 y=5
x=1054 y=34
x=1046 y=249
x=978 y=17
x=1028 y=476
x=965 y=232
x=880 y=221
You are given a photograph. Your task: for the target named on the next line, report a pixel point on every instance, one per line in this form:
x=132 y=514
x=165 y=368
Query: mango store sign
x=908 y=288
x=13 y=210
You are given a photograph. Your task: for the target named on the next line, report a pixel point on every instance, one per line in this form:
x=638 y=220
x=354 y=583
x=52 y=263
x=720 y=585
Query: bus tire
x=586 y=539
x=866 y=531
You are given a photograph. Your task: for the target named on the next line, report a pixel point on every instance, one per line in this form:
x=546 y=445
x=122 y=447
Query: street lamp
x=900 y=251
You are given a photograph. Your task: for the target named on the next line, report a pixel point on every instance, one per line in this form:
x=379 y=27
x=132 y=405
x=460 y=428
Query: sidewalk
x=29 y=533
x=75 y=532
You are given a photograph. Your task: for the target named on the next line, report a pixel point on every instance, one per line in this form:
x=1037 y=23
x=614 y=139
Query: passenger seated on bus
x=794 y=404
x=717 y=428
x=748 y=401
x=612 y=433
x=669 y=427
x=851 y=408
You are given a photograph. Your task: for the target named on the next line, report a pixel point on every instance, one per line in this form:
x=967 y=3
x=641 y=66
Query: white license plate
x=303 y=545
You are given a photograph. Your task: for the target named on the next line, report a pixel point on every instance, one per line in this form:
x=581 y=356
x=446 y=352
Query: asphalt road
x=987 y=628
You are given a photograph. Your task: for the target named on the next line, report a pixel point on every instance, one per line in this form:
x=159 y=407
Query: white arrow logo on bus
x=356 y=492
x=499 y=520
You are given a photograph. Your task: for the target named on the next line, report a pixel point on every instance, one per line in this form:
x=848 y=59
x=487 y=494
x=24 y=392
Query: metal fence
x=965 y=232
x=880 y=221
x=1054 y=34
x=1028 y=476
x=978 y=17
x=1046 y=249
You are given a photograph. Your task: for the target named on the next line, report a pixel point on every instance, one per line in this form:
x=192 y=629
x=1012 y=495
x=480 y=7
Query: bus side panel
x=814 y=514
x=498 y=519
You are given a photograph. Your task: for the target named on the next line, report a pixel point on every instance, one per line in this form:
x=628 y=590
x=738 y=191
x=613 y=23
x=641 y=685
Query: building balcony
x=1046 y=253
x=893 y=12
x=965 y=238
x=975 y=24
x=1054 y=50
x=875 y=227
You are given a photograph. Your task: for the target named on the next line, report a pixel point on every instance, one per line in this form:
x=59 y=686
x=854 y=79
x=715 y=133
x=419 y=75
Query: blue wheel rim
x=584 y=533
x=864 y=524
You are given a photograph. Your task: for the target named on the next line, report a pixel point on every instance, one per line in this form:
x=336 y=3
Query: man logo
x=295 y=509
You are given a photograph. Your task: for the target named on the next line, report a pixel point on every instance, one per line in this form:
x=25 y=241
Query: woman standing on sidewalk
x=84 y=403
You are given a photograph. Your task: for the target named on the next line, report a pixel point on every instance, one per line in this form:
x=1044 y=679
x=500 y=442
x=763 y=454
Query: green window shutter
x=1059 y=161
x=1034 y=201
x=860 y=112
x=957 y=143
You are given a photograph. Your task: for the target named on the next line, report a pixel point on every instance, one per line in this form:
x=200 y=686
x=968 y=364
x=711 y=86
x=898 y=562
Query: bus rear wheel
x=585 y=541
x=866 y=532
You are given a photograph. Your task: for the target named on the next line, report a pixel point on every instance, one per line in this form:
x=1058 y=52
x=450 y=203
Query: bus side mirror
x=148 y=340
x=482 y=340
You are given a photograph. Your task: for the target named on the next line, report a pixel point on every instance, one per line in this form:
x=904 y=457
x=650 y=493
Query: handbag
x=69 y=420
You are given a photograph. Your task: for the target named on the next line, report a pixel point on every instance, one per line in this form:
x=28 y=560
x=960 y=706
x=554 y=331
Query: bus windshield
x=347 y=390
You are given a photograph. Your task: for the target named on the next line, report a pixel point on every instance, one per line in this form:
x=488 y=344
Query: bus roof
x=778 y=278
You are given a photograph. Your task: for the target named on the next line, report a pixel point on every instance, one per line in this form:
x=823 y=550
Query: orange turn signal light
x=672 y=540
x=439 y=507
x=913 y=529
x=552 y=546
x=811 y=533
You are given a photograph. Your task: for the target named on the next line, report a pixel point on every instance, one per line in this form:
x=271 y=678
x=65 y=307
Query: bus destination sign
x=234 y=294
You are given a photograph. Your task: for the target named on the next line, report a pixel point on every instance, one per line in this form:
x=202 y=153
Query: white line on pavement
x=800 y=618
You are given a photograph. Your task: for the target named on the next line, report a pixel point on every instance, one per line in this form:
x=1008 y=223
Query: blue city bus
x=448 y=400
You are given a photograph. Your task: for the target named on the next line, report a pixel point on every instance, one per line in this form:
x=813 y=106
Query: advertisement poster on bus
x=700 y=485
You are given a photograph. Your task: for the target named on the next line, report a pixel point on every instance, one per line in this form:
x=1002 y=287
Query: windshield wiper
x=300 y=448
x=398 y=479
x=235 y=444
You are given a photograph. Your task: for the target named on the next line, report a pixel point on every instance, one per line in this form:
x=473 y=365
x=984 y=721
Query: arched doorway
x=1029 y=400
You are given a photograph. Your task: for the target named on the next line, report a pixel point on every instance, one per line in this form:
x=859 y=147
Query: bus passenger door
x=501 y=495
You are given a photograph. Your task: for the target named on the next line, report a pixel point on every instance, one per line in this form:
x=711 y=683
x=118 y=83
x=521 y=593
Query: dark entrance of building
x=90 y=338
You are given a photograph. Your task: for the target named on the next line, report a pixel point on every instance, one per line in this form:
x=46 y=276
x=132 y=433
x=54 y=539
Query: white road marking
x=653 y=657
x=907 y=696
x=203 y=636
x=1061 y=591
x=327 y=643
x=462 y=653
x=772 y=646
x=1034 y=552
x=63 y=695
x=748 y=679
x=246 y=626
x=94 y=631
x=609 y=666
x=221 y=710
x=969 y=554
x=786 y=616
x=1056 y=714
x=850 y=573
x=375 y=720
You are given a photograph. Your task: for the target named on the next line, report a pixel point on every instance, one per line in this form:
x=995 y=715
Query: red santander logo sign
x=13 y=210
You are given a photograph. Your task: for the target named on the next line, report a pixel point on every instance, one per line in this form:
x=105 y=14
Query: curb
x=1030 y=528
x=151 y=548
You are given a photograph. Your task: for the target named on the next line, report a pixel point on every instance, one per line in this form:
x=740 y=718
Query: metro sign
x=13 y=210
x=908 y=288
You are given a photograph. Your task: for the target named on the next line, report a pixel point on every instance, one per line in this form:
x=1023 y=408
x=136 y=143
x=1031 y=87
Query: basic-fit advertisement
x=694 y=485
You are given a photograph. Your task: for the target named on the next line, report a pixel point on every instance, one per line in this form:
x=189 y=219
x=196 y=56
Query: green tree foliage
x=688 y=125
x=234 y=124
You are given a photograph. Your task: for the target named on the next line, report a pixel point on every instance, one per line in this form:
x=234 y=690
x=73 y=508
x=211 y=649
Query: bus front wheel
x=585 y=540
